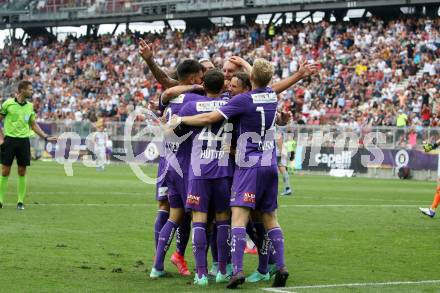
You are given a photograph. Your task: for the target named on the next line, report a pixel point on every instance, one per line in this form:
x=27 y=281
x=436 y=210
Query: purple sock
x=223 y=235
x=276 y=237
x=263 y=247
x=199 y=248
x=213 y=243
x=238 y=244
x=161 y=219
x=165 y=237
x=182 y=235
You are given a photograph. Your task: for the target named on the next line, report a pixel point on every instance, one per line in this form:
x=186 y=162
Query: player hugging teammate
x=229 y=168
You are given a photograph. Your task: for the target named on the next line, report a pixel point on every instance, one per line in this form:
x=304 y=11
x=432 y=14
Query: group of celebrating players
x=219 y=168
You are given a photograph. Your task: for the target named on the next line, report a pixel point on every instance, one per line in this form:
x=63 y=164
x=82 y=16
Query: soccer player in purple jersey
x=182 y=238
x=255 y=183
x=190 y=75
x=210 y=177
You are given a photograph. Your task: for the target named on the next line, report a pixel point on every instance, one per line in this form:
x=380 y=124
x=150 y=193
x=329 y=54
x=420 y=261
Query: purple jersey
x=254 y=114
x=210 y=157
x=182 y=150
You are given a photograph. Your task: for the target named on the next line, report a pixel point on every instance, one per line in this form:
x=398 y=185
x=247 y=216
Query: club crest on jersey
x=209 y=106
x=264 y=98
x=26 y=118
x=249 y=197
x=193 y=200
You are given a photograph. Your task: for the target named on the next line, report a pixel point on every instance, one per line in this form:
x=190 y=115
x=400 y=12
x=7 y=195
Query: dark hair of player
x=22 y=85
x=188 y=67
x=244 y=78
x=213 y=81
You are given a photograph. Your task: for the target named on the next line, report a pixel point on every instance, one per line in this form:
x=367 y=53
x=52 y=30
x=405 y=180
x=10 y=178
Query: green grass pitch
x=93 y=232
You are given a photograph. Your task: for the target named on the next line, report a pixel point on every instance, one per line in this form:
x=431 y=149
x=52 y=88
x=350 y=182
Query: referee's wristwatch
x=45 y=138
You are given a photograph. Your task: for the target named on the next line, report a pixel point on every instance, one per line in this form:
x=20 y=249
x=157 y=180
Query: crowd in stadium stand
x=373 y=72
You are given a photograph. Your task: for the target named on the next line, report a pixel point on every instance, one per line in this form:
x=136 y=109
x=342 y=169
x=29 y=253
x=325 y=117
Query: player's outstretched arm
x=175 y=91
x=305 y=70
x=146 y=52
x=197 y=120
x=36 y=128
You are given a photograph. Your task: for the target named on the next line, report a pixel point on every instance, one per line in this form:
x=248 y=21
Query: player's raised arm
x=304 y=71
x=146 y=52
x=243 y=64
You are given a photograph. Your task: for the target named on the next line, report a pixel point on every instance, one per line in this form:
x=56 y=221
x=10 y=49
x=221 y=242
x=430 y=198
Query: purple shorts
x=255 y=188
x=161 y=186
x=209 y=194
x=177 y=187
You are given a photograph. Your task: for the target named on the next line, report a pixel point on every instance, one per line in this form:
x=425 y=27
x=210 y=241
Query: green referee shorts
x=15 y=147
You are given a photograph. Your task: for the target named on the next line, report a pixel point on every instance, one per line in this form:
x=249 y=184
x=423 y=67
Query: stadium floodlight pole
x=146 y=52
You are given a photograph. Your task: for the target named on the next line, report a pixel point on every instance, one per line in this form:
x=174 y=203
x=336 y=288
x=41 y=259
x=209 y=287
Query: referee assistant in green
x=18 y=119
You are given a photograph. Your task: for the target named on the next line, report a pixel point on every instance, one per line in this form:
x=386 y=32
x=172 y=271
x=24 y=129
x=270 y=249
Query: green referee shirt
x=17 y=118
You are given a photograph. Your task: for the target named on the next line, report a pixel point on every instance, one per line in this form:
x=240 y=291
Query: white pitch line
x=281 y=206
x=287 y=289
x=346 y=205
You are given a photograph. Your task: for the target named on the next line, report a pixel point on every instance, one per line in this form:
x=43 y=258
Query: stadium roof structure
x=52 y=13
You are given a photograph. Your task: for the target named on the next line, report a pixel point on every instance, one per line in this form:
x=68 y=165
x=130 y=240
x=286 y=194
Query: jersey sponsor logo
x=249 y=197
x=172 y=146
x=178 y=100
x=193 y=200
x=264 y=98
x=209 y=106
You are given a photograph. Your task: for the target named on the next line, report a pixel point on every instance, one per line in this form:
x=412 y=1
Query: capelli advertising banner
x=327 y=159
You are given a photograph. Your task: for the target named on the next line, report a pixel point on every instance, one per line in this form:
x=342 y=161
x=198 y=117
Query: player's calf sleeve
x=182 y=236
x=199 y=248
x=21 y=188
x=276 y=237
x=165 y=237
x=223 y=230
x=238 y=243
x=262 y=244
x=161 y=219
x=3 y=187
